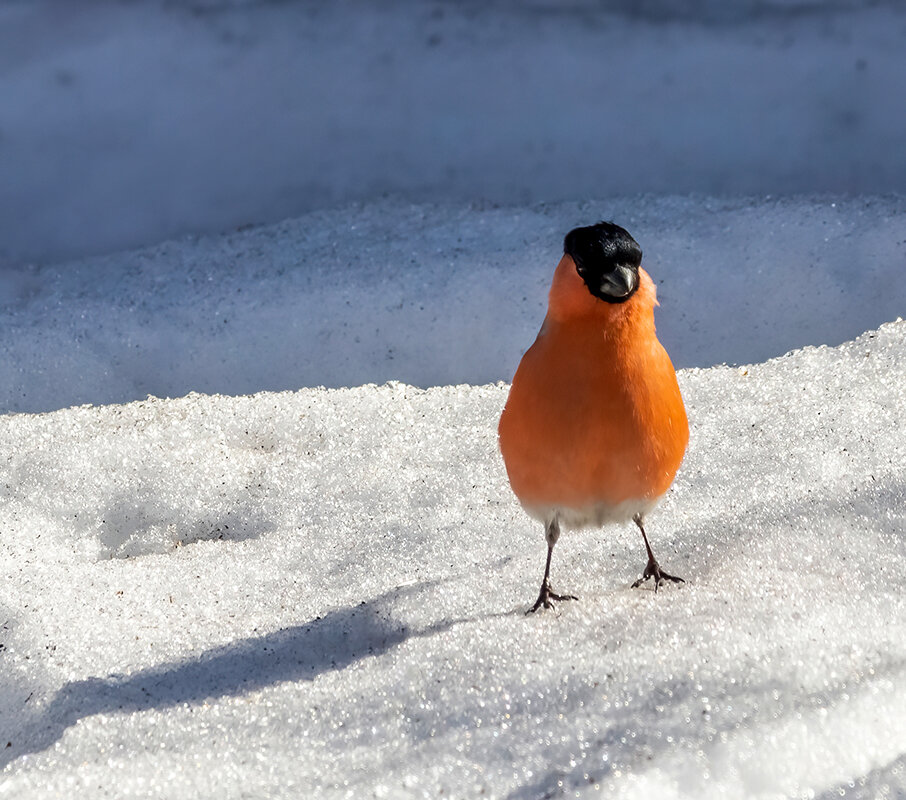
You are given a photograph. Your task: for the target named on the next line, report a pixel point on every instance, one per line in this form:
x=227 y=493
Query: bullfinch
x=594 y=428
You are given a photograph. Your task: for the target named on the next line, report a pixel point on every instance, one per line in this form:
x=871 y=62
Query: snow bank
x=324 y=589
x=123 y=124
x=434 y=295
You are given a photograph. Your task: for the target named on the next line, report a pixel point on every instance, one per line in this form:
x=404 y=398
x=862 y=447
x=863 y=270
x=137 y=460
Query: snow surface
x=321 y=593
x=123 y=124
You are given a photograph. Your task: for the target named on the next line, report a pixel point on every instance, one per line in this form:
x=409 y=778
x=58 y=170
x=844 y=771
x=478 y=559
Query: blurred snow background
x=265 y=590
x=126 y=123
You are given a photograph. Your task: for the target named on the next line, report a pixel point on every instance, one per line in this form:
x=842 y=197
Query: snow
x=124 y=124
x=256 y=538
x=434 y=295
x=322 y=592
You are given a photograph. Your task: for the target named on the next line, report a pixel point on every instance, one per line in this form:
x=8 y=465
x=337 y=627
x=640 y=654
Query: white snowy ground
x=320 y=592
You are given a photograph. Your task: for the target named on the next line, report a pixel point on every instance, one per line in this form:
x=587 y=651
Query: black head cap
x=607 y=258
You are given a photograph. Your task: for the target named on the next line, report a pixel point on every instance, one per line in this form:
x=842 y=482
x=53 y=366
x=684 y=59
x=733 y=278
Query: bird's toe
x=653 y=570
x=547 y=598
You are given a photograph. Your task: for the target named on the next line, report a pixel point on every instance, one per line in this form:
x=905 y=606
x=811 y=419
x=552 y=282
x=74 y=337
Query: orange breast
x=595 y=413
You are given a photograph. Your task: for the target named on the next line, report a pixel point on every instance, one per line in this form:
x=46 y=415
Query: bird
x=594 y=428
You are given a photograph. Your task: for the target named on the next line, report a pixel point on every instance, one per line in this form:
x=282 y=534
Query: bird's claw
x=653 y=570
x=546 y=598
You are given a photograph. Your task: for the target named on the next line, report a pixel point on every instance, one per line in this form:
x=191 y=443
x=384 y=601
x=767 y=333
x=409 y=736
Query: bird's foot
x=653 y=570
x=547 y=598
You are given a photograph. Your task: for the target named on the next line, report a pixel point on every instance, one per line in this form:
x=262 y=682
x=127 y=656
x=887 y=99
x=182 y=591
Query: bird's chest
x=606 y=416
x=592 y=387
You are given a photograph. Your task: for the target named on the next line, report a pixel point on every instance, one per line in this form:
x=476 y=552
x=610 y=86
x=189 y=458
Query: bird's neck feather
x=570 y=302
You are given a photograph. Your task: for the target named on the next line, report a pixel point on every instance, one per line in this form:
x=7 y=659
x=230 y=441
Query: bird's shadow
x=301 y=652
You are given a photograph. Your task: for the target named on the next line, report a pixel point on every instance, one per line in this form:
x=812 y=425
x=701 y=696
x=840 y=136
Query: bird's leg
x=546 y=596
x=653 y=570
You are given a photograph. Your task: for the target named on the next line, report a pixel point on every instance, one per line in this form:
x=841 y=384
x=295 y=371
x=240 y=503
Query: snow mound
x=435 y=295
x=360 y=631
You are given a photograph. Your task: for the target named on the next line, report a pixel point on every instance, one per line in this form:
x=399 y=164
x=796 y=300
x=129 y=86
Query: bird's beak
x=619 y=283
